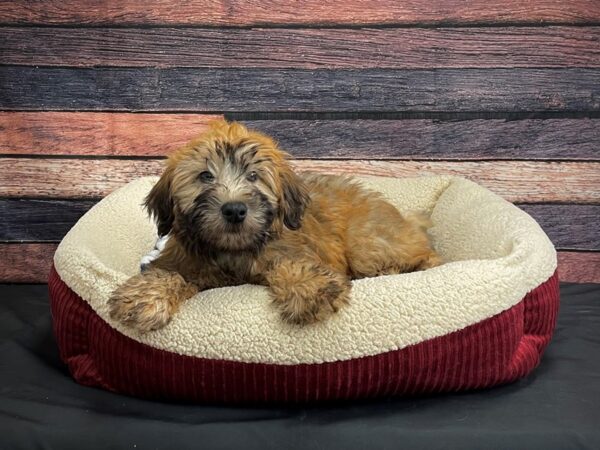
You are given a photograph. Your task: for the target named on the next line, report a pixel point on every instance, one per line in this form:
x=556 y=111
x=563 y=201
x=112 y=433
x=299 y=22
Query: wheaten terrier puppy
x=236 y=213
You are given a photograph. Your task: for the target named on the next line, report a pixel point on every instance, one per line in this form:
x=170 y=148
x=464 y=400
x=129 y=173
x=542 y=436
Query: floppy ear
x=294 y=198
x=159 y=203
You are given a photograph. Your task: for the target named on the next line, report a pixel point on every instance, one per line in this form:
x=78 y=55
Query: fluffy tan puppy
x=237 y=213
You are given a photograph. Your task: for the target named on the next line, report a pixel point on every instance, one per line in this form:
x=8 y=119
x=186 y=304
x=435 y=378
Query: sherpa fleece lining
x=495 y=254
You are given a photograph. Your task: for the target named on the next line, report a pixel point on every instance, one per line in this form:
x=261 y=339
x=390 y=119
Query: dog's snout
x=234 y=212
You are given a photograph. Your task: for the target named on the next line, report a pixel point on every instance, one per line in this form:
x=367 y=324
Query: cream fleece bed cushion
x=496 y=254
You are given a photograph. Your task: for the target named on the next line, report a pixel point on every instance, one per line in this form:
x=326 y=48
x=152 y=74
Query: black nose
x=234 y=212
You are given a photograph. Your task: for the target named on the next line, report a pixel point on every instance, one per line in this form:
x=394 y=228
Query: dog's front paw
x=306 y=293
x=148 y=301
x=143 y=313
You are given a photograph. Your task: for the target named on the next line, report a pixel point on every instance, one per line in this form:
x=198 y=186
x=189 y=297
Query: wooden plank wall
x=506 y=93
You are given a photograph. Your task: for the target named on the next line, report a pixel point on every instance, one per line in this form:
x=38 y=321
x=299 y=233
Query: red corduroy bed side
x=497 y=350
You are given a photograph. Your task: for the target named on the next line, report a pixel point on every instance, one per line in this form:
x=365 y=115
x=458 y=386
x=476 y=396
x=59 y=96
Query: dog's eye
x=252 y=176
x=206 y=177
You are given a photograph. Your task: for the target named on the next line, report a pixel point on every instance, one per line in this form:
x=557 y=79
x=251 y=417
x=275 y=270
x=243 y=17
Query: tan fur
x=305 y=235
x=148 y=300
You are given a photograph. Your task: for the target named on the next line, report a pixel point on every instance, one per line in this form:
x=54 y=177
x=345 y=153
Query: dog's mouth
x=227 y=236
x=234 y=228
x=241 y=238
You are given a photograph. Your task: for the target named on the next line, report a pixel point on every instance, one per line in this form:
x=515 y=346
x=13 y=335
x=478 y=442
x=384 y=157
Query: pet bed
x=481 y=319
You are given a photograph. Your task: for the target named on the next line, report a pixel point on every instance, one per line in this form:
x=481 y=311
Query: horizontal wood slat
x=124 y=134
x=434 y=139
x=579 y=267
x=516 y=181
x=309 y=12
x=376 y=90
x=30 y=263
x=26 y=263
x=571 y=227
x=519 y=181
x=400 y=48
x=130 y=134
x=39 y=220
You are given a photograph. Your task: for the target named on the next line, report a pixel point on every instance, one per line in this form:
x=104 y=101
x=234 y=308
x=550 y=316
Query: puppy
x=235 y=212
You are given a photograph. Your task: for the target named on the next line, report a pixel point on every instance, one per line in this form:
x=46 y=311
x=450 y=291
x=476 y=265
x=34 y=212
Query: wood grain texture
x=117 y=134
x=126 y=134
x=39 y=220
x=579 y=267
x=376 y=90
x=399 y=48
x=26 y=263
x=569 y=226
x=433 y=139
x=518 y=181
x=310 y=12
x=30 y=263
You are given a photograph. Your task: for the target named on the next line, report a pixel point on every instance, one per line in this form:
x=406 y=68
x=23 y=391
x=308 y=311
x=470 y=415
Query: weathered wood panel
x=60 y=133
x=514 y=180
x=570 y=227
x=396 y=48
x=26 y=263
x=188 y=89
x=309 y=12
x=39 y=220
x=519 y=181
x=127 y=134
x=30 y=263
x=434 y=139
x=579 y=267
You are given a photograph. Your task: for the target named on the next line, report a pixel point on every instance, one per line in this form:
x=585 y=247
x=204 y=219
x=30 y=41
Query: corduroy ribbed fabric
x=494 y=351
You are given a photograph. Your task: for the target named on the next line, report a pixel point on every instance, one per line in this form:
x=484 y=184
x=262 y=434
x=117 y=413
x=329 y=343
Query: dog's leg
x=149 y=300
x=305 y=291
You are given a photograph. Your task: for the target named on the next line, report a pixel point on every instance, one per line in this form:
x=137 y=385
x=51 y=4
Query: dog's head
x=229 y=190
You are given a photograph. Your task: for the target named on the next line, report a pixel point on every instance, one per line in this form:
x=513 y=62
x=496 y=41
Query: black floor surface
x=556 y=407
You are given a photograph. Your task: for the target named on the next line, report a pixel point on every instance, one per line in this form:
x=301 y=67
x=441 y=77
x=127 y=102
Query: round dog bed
x=481 y=319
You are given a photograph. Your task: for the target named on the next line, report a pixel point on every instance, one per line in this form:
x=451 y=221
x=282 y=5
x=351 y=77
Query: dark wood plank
x=434 y=139
x=282 y=12
x=26 y=263
x=117 y=134
x=569 y=226
x=39 y=220
x=395 y=48
x=126 y=134
x=518 y=181
x=375 y=90
x=30 y=263
x=579 y=267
